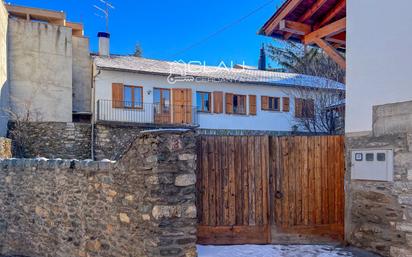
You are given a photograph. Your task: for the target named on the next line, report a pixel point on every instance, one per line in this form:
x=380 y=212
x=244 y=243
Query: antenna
x=105 y=12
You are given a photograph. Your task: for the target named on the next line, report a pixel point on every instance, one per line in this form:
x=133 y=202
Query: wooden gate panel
x=234 y=182
x=247 y=184
x=307 y=193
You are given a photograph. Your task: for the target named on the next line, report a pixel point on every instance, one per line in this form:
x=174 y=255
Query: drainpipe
x=93 y=106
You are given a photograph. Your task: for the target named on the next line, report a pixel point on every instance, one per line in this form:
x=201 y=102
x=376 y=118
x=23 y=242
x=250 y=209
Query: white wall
x=379 y=56
x=40 y=69
x=264 y=120
x=4 y=97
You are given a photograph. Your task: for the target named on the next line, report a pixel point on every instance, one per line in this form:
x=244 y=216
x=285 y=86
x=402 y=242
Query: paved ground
x=277 y=251
x=280 y=251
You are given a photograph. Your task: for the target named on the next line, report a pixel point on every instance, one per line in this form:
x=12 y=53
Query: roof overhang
x=311 y=22
x=49 y=16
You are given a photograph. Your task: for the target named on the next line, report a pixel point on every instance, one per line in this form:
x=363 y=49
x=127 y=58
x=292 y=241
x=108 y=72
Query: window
x=161 y=97
x=133 y=97
x=203 y=101
x=274 y=104
x=304 y=108
x=270 y=103
x=239 y=104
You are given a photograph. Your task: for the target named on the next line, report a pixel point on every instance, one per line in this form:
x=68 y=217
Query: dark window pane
x=369 y=157
x=206 y=102
x=127 y=96
x=138 y=97
x=381 y=157
x=271 y=103
x=199 y=101
x=276 y=103
x=156 y=95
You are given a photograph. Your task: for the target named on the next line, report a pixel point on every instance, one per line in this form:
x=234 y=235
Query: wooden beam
x=332 y=14
x=37 y=14
x=77 y=28
x=331 y=51
x=295 y=27
x=287 y=8
x=326 y=31
x=308 y=14
x=339 y=38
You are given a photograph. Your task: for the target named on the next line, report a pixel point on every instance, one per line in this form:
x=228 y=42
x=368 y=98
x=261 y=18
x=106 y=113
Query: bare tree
x=296 y=58
x=20 y=114
x=319 y=110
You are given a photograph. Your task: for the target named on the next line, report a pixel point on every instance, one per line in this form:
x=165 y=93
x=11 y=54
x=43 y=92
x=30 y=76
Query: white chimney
x=104 y=43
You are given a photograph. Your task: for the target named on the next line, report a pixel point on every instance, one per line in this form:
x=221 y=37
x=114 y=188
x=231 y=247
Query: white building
x=132 y=89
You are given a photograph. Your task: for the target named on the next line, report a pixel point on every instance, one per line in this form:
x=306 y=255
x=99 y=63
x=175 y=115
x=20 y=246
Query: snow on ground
x=272 y=251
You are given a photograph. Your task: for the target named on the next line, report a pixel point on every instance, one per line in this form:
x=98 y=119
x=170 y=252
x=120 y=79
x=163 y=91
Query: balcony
x=162 y=115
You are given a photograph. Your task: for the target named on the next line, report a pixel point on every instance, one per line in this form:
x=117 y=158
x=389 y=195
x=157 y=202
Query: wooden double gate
x=259 y=189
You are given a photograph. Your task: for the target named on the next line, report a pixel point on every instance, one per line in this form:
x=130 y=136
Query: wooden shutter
x=286 y=104
x=229 y=102
x=265 y=102
x=252 y=105
x=298 y=107
x=117 y=95
x=217 y=102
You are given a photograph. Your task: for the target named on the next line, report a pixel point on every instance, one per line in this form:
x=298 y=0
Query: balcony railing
x=146 y=113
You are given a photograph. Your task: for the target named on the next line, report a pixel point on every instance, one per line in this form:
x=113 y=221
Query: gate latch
x=278 y=195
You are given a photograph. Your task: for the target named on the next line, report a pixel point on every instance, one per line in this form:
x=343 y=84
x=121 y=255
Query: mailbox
x=374 y=164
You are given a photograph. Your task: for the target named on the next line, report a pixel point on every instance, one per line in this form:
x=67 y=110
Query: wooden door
x=307 y=188
x=182 y=105
x=162 y=108
x=232 y=190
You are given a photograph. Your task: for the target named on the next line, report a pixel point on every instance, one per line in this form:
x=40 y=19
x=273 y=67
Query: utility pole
x=105 y=12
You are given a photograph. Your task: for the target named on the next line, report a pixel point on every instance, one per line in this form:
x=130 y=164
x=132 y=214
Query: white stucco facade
x=263 y=120
x=378 y=58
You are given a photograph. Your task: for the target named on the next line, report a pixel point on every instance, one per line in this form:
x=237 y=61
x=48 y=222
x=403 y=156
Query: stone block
x=405 y=199
x=396 y=251
x=185 y=180
x=404 y=227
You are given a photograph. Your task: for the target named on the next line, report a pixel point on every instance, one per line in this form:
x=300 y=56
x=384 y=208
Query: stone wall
x=112 y=140
x=144 y=205
x=379 y=214
x=51 y=140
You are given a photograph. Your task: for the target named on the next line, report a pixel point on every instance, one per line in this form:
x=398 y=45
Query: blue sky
x=165 y=28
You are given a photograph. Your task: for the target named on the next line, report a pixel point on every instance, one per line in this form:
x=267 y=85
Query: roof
x=191 y=72
x=304 y=16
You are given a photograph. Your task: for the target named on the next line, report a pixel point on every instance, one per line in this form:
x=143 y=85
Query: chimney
x=104 y=43
x=262 y=58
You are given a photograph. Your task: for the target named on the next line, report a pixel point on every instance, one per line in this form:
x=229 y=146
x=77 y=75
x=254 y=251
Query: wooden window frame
x=303 y=113
x=272 y=109
x=203 y=100
x=244 y=102
x=133 y=100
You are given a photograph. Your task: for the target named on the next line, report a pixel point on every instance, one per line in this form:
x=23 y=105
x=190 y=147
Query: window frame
x=203 y=101
x=306 y=114
x=269 y=100
x=133 y=97
x=244 y=102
